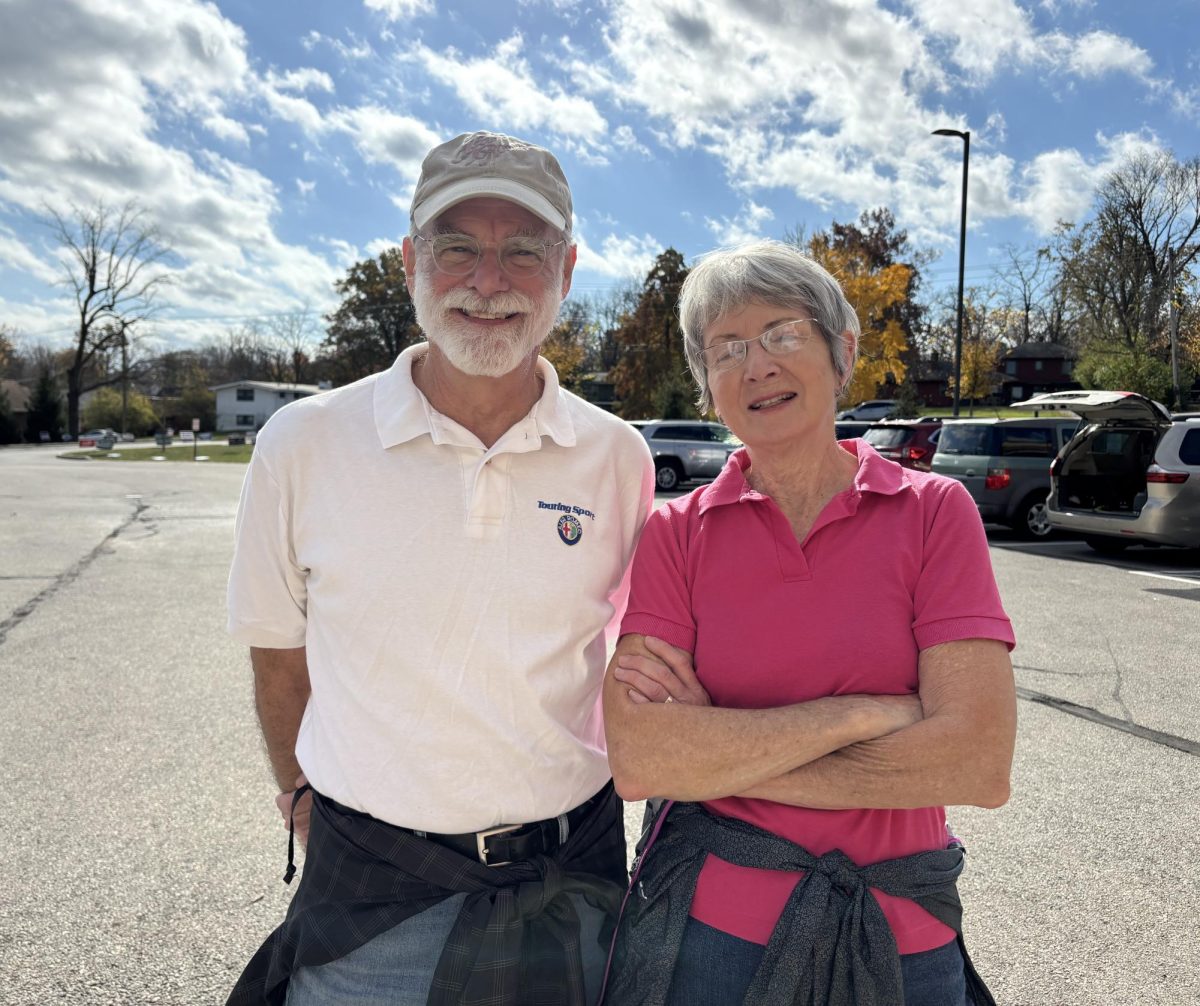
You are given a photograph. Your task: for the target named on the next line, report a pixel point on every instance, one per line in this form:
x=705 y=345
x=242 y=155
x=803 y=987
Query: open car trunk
x=1104 y=469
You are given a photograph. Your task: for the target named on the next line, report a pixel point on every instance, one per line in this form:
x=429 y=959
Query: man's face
x=486 y=322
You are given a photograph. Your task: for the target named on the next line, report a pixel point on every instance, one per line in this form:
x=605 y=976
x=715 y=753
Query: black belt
x=512 y=842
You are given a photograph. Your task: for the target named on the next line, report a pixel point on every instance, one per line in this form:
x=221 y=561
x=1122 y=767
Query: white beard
x=473 y=350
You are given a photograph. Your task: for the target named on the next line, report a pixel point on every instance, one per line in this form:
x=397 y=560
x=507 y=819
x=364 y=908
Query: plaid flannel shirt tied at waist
x=516 y=939
x=832 y=945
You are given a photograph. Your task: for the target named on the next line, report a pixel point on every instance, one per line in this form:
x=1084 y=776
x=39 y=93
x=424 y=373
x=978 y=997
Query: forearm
x=960 y=753
x=281 y=691
x=704 y=753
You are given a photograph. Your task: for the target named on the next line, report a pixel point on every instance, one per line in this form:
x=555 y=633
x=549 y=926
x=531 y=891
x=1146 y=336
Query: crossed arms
x=950 y=744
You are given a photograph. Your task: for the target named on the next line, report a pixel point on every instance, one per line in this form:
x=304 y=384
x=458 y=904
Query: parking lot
x=143 y=853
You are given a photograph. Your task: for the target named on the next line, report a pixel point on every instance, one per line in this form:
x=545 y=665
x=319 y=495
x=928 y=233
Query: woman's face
x=771 y=400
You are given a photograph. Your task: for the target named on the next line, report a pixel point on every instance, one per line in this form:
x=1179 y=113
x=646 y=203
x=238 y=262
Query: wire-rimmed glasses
x=778 y=341
x=459 y=254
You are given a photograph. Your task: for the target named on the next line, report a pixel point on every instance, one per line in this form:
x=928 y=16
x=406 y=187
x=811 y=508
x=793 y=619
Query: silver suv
x=686 y=449
x=1131 y=474
x=1005 y=465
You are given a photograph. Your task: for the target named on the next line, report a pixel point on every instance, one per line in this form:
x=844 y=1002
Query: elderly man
x=427 y=562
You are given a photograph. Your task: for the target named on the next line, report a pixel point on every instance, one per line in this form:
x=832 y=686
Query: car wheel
x=1106 y=546
x=667 y=474
x=1032 y=519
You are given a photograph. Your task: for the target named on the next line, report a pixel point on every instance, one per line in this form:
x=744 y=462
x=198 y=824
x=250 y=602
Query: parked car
x=849 y=429
x=910 y=442
x=104 y=439
x=876 y=408
x=1005 y=466
x=685 y=449
x=1130 y=474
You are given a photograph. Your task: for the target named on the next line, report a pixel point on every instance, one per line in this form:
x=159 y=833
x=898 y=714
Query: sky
x=276 y=142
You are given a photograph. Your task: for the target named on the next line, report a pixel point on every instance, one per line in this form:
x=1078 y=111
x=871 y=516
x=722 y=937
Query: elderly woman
x=814 y=661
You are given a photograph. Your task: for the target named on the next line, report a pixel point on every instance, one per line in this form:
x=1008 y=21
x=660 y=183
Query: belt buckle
x=481 y=838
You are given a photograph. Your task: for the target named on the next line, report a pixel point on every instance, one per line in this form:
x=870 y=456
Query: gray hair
x=764 y=272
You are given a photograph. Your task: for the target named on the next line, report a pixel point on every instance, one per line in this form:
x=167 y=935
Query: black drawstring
x=290 y=872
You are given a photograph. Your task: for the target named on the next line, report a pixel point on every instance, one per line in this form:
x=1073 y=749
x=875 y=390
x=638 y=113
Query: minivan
x=1130 y=474
x=1005 y=466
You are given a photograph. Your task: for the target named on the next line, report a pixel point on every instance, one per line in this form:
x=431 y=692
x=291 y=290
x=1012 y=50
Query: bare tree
x=109 y=262
x=293 y=338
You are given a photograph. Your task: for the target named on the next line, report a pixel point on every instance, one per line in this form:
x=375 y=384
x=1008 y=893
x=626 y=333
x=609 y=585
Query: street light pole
x=962 y=258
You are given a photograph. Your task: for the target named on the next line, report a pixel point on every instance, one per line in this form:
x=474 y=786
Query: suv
x=686 y=449
x=909 y=442
x=877 y=408
x=1131 y=473
x=1005 y=465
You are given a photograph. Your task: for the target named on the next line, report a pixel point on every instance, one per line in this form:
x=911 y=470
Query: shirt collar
x=402 y=413
x=874 y=475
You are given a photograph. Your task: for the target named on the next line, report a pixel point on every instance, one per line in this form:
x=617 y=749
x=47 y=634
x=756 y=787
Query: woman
x=814 y=661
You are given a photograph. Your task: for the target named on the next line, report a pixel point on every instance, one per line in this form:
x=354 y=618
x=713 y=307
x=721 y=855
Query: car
x=876 y=408
x=849 y=429
x=1005 y=466
x=1131 y=474
x=102 y=439
x=685 y=450
x=909 y=442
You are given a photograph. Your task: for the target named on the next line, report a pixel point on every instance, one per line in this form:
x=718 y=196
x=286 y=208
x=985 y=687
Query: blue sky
x=275 y=142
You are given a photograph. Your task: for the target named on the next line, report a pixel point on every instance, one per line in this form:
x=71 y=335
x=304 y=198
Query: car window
x=896 y=436
x=1027 y=442
x=678 y=433
x=965 y=439
x=1189 y=448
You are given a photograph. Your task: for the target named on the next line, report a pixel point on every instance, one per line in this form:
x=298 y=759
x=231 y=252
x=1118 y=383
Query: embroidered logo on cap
x=569 y=529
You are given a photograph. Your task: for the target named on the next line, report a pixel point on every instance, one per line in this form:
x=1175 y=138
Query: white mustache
x=506 y=302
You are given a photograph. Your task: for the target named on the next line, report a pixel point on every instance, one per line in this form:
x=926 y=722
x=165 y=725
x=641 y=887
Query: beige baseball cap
x=492 y=164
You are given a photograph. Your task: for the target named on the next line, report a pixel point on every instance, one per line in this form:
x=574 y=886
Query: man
x=427 y=561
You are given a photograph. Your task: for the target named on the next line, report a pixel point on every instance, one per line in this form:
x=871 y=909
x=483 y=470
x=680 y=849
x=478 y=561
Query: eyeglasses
x=778 y=341
x=459 y=254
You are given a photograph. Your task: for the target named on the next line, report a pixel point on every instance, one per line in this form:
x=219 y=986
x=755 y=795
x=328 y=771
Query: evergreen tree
x=45 y=409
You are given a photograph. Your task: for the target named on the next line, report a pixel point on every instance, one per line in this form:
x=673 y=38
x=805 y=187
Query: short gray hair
x=764 y=272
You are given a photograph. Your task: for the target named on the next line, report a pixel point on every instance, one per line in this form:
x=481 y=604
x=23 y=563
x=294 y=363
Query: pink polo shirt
x=893 y=565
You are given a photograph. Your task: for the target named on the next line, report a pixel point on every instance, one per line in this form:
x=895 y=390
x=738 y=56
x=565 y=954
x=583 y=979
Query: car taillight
x=997 y=478
x=1161 y=476
x=916 y=453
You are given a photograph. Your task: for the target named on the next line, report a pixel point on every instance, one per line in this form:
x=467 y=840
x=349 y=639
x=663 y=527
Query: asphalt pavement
x=142 y=855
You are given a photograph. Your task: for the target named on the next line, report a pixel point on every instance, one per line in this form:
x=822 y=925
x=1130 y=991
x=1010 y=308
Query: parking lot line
x=1194 y=581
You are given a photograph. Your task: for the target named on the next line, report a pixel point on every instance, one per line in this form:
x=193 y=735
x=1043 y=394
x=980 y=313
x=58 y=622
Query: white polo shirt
x=453 y=599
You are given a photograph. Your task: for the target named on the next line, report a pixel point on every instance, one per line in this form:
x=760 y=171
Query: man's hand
x=303 y=810
x=669 y=678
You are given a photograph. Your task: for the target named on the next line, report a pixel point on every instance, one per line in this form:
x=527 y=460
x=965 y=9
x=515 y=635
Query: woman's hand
x=667 y=677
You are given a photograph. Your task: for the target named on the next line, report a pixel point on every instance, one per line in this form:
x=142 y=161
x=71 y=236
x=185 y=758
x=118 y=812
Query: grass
x=981 y=412
x=183 y=452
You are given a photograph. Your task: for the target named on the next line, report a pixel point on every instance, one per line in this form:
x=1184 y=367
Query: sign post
x=195 y=436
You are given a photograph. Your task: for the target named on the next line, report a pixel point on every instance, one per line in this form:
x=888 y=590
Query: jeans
x=396 y=968
x=715 y=969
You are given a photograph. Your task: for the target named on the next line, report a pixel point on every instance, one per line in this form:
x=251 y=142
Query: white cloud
x=225 y=128
x=395 y=10
x=621 y=256
x=746 y=226
x=502 y=91
x=18 y=255
x=305 y=188
x=304 y=79
x=1100 y=52
x=383 y=137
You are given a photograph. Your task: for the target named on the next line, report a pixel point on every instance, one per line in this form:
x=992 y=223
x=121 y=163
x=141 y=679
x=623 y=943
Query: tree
x=567 y=346
x=986 y=330
x=109 y=262
x=651 y=342
x=105 y=410
x=1119 y=266
x=45 y=409
x=8 y=349
x=10 y=431
x=292 y=338
x=375 y=320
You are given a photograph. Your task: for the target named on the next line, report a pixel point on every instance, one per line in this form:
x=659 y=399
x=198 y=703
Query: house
x=18 y=397
x=1036 y=367
x=247 y=405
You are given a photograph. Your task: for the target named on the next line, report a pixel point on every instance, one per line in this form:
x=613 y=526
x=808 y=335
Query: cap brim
x=500 y=188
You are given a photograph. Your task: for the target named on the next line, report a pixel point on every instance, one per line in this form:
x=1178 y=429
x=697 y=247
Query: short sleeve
x=956 y=595
x=267 y=593
x=659 y=598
